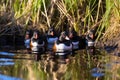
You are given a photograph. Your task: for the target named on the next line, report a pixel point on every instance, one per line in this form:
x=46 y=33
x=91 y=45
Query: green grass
x=82 y=15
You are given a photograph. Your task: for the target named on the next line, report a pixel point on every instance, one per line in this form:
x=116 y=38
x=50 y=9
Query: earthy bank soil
x=110 y=41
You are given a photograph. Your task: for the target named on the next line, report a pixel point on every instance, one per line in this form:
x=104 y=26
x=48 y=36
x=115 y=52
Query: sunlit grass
x=82 y=15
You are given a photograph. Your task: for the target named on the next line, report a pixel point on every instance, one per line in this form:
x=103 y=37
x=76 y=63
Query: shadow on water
x=84 y=65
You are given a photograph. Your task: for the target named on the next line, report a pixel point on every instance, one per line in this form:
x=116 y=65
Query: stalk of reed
x=82 y=15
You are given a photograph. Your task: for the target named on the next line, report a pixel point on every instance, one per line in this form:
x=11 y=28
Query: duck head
x=51 y=32
x=63 y=36
x=27 y=35
x=72 y=34
x=36 y=35
x=91 y=34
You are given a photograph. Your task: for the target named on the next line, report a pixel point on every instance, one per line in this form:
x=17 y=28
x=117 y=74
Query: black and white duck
x=63 y=46
x=74 y=39
x=51 y=38
x=27 y=39
x=37 y=43
x=90 y=39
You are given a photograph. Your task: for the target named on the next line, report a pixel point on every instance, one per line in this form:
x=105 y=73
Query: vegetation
x=102 y=66
x=82 y=15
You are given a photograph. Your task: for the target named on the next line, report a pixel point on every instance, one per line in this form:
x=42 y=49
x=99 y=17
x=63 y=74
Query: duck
x=37 y=43
x=74 y=39
x=51 y=38
x=27 y=39
x=63 y=45
x=90 y=39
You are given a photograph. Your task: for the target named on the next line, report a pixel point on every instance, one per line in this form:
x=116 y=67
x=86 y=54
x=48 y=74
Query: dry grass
x=82 y=15
x=113 y=30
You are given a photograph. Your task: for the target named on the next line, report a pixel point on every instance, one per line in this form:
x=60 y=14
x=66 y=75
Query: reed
x=108 y=28
x=82 y=15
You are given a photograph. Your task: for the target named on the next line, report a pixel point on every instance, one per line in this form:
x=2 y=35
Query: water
x=83 y=66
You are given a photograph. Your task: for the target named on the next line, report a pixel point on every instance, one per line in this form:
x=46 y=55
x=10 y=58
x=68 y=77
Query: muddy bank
x=11 y=42
x=110 y=41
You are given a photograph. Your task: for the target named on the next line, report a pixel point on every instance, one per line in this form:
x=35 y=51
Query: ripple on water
x=4 y=77
x=7 y=53
x=97 y=72
x=6 y=61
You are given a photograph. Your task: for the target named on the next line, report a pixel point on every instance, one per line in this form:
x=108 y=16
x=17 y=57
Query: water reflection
x=6 y=63
x=97 y=72
x=7 y=54
x=81 y=66
x=4 y=77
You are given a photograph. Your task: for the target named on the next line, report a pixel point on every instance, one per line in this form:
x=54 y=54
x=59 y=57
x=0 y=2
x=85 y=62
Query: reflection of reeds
x=78 y=68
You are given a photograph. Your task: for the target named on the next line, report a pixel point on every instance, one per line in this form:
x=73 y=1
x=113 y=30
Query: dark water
x=83 y=66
